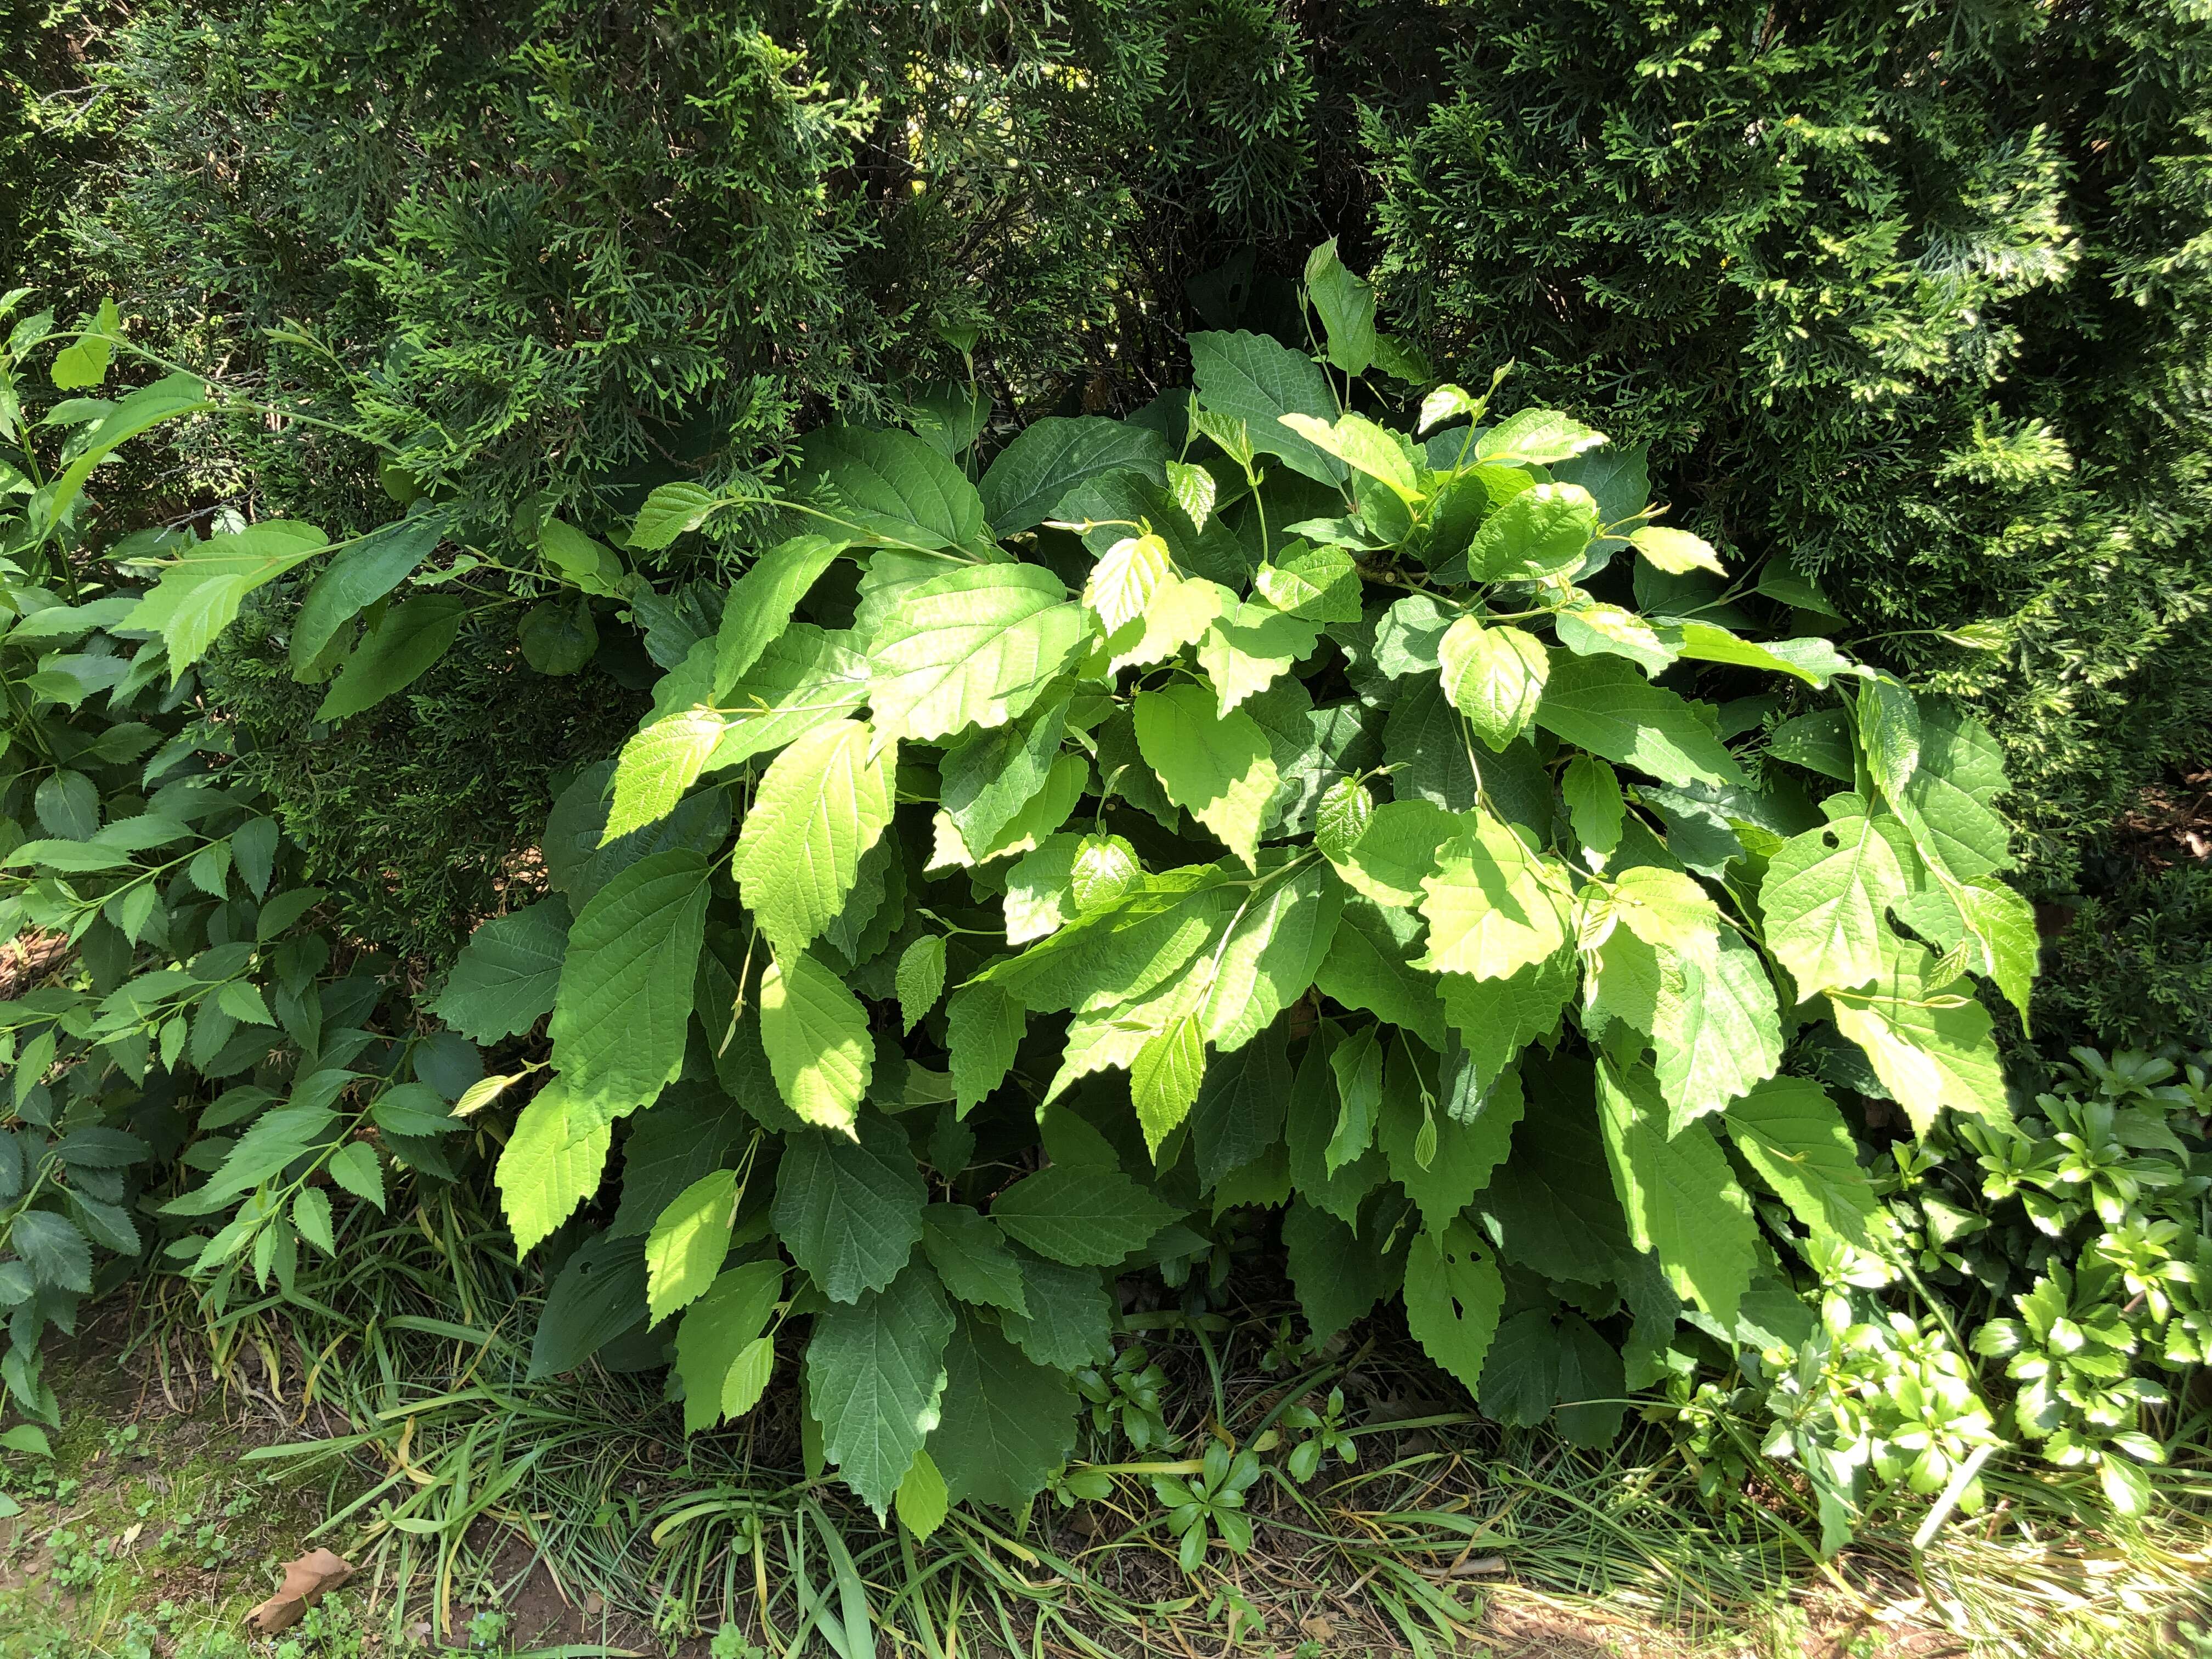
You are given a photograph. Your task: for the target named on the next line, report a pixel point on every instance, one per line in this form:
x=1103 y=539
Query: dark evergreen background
x=1914 y=296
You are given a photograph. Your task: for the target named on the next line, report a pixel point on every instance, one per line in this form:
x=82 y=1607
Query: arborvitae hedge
x=1912 y=295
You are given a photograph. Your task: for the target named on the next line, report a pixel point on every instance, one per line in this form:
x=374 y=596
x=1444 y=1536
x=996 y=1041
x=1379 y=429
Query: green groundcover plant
x=1028 y=871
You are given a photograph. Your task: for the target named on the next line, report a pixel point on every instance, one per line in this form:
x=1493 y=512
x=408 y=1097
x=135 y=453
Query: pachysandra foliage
x=1029 y=865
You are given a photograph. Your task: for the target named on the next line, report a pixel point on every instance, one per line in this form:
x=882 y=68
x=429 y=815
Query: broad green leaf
x=976 y=647
x=551 y=1162
x=972 y=1257
x=684 y=1249
x=1248 y=646
x=505 y=977
x=1950 y=801
x=1219 y=768
x=1717 y=1029
x=1464 y=1154
x=1520 y=1373
x=1407 y=638
x=579 y=559
x=1164 y=1078
x=657 y=766
x=984 y=1027
x=1025 y=484
x=1790 y=1133
x=1357 y=1063
x=1086 y=1217
x=1888 y=717
x=1031 y=825
x=875 y=1370
x=1370 y=965
x=200 y=591
x=1592 y=1387
x=1454 y=1296
x=1179 y=613
x=848 y=1208
x=1039 y=889
x=626 y=983
x=819 y=808
x=1343 y=816
x=1826 y=893
x=1594 y=805
x=357 y=577
x=988 y=780
x=1494 y=1019
x=1363 y=446
x=1338 y=1274
x=1677 y=552
x=1534 y=437
x=559 y=636
x=1493 y=906
x=1069 y=1322
x=1595 y=629
x=1268 y=955
x=1240 y=1110
x=759 y=607
x=1007 y=1424
x=395 y=653
x=714 y=1335
x=923 y=1501
x=1815 y=661
x=804 y=679
x=891 y=487
x=1678 y=1196
x=1194 y=489
x=167 y=400
x=691 y=1132
x=1539 y=533
x=1250 y=378
x=1604 y=705
x=1929 y=1042
x=1121 y=583
x=672 y=510
x=1493 y=676
x=1347 y=306
x=815 y=1033
x=920 y=978
x=594 y=1299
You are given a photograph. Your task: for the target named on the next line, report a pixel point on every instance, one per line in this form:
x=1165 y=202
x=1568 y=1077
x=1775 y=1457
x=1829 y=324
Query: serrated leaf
x=1790 y=1131
x=1493 y=676
x=920 y=978
x=1464 y=1155
x=1053 y=456
x=1121 y=583
x=1717 y=1031
x=1680 y=1198
x=1347 y=306
x=815 y=1033
x=1363 y=446
x=1931 y=1048
x=1454 y=1295
x=1948 y=803
x=1164 y=1079
x=1342 y=817
x=551 y=1162
x=684 y=1250
x=1357 y=1065
x=1539 y=533
x=891 y=487
x=715 y=1339
x=875 y=1371
x=626 y=983
x=1606 y=706
x=1219 y=768
x=1086 y=1217
x=1494 y=1019
x=988 y=780
x=356 y=578
x=976 y=647
x=1249 y=645
x=922 y=1503
x=849 y=1208
x=1826 y=893
x=819 y=808
x=1677 y=552
x=1338 y=1274
x=657 y=766
x=1534 y=437
x=199 y=594
x=1594 y=805
x=672 y=510
x=1257 y=380
x=972 y=1257
x=983 y=1026
x=395 y=653
x=1370 y=965
x=1070 y=1318
x=1493 y=906
x=1007 y=1423
x=505 y=980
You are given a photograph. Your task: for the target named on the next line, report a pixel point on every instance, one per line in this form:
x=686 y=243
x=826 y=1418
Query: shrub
x=1903 y=295
x=1253 y=807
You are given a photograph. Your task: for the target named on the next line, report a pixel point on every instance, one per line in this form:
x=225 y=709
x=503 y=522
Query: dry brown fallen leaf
x=306 y=1582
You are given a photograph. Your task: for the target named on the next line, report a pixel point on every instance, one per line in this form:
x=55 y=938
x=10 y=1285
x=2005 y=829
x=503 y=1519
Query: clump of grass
x=455 y=1482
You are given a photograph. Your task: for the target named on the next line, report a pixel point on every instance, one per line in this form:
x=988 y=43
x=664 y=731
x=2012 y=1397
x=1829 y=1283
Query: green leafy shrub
x=2044 y=1282
x=1024 y=869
